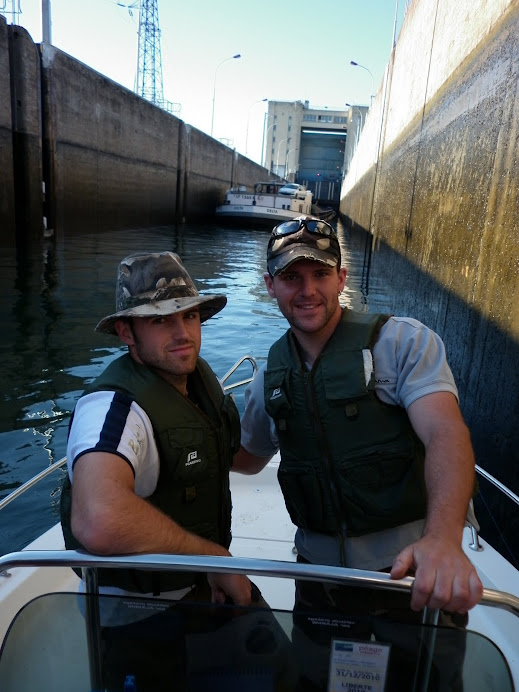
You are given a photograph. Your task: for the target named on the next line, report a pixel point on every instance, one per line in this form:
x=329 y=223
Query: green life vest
x=350 y=464
x=195 y=445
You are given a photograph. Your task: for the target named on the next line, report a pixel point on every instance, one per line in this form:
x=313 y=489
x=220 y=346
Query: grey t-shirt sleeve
x=410 y=362
x=258 y=432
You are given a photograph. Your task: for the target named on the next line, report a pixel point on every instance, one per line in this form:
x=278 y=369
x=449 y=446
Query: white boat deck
x=261 y=528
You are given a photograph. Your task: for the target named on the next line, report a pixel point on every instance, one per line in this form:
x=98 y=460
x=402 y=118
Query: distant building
x=311 y=146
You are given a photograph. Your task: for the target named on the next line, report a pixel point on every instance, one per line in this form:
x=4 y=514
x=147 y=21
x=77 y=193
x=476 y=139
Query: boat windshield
x=83 y=642
x=270 y=188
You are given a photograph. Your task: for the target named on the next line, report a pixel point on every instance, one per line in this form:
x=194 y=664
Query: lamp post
x=233 y=57
x=46 y=25
x=356 y=64
x=265 y=140
x=248 y=120
x=360 y=120
x=287 y=160
x=277 y=159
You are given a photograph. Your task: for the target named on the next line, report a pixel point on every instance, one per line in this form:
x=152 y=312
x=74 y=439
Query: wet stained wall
x=20 y=136
x=439 y=202
x=6 y=151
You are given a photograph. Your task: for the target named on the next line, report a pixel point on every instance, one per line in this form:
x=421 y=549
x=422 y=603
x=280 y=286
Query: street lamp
x=279 y=149
x=356 y=64
x=233 y=57
x=287 y=160
x=248 y=120
x=46 y=24
x=265 y=140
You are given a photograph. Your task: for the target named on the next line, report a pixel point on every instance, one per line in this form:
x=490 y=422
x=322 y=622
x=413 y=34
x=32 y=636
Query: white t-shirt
x=112 y=422
x=409 y=362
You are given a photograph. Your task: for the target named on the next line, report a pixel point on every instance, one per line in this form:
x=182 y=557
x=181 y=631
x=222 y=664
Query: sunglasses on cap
x=311 y=225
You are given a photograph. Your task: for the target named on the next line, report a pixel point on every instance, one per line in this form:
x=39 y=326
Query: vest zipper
x=221 y=461
x=328 y=466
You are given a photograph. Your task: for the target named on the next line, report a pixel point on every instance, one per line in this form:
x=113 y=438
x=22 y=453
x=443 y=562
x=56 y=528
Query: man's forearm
x=449 y=463
x=247 y=463
x=449 y=477
x=444 y=577
x=133 y=525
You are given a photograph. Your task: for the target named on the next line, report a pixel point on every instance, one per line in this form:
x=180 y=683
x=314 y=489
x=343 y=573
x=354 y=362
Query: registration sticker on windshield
x=358 y=666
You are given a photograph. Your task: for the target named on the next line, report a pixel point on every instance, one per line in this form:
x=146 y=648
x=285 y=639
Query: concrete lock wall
x=6 y=149
x=20 y=135
x=118 y=161
x=434 y=182
x=107 y=158
x=27 y=133
x=113 y=157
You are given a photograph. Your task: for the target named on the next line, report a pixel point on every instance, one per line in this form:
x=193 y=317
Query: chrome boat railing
x=270 y=568
x=232 y=565
x=234 y=385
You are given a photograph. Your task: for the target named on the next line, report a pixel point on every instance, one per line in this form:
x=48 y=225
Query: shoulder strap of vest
x=210 y=380
x=114 y=375
x=279 y=350
x=357 y=331
x=382 y=319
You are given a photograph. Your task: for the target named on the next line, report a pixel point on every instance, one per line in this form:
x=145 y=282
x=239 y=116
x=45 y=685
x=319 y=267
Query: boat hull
x=253 y=214
x=264 y=205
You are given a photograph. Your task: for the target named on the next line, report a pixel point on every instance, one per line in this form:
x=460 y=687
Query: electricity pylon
x=148 y=81
x=149 y=56
x=15 y=10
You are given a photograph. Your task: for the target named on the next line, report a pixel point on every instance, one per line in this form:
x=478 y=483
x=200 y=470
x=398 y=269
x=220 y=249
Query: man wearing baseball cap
x=151 y=441
x=377 y=467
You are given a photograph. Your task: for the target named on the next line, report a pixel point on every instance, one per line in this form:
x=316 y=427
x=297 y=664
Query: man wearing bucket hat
x=151 y=440
x=377 y=467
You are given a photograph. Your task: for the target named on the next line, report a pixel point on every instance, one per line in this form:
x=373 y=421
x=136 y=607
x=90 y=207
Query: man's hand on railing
x=234 y=586
x=444 y=577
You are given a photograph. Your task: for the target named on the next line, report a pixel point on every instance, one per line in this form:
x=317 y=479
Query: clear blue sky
x=298 y=50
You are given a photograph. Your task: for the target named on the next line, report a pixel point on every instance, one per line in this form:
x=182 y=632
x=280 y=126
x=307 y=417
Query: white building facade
x=311 y=146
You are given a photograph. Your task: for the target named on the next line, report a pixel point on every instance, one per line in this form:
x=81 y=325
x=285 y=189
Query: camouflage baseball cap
x=304 y=237
x=156 y=283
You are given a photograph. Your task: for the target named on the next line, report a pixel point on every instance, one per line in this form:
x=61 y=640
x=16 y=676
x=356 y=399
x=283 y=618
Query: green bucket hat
x=150 y=284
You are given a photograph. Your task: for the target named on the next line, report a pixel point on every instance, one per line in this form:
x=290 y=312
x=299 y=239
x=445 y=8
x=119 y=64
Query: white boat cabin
x=275 y=201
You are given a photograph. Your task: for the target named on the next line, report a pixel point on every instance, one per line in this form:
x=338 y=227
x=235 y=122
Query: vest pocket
x=347 y=382
x=277 y=403
x=303 y=492
x=383 y=491
x=376 y=468
x=189 y=450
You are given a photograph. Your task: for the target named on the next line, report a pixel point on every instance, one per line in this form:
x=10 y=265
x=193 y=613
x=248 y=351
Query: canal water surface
x=52 y=297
